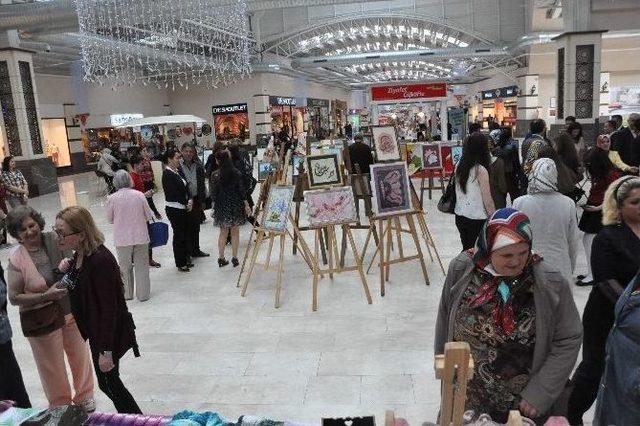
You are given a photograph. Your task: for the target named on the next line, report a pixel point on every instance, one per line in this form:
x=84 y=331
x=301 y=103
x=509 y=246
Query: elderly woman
x=129 y=212
x=518 y=317
x=97 y=302
x=615 y=256
x=45 y=314
x=553 y=217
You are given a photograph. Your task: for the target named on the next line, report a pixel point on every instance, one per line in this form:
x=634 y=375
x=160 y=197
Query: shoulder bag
x=447 y=203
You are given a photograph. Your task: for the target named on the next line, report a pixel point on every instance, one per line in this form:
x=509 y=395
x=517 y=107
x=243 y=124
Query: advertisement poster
x=457 y=121
x=230 y=122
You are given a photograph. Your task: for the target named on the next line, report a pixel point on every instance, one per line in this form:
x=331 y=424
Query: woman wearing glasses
x=97 y=302
x=45 y=314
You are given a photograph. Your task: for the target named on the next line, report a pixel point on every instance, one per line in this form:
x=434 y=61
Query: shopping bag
x=158 y=234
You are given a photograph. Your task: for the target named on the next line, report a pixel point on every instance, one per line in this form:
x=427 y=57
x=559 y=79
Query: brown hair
x=80 y=220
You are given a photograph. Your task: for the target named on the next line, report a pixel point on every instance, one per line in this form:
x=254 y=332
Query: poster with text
x=231 y=122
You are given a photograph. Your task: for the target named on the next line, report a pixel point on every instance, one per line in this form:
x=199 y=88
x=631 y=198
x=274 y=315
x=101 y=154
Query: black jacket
x=360 y=154
x=175 y=188
x=615 y=254
x=627 y=146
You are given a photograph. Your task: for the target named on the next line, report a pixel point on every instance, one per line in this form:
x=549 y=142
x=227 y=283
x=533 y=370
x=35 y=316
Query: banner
x=230 y=122
x=502 y=92
x=409 y=91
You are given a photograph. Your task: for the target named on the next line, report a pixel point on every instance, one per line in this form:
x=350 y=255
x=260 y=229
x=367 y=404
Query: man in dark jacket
x=627 y=141
x=360 y=154
x=193 y=172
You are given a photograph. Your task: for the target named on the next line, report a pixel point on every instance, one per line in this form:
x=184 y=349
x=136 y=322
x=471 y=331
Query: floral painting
x=386 y=143
x=390 y=183
x=330 y=206
x=432 y=156
x=323 y=170
x=278 y=207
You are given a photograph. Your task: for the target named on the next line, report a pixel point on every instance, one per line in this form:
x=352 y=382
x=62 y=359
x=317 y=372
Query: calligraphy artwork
x=323 y=170
x=386 y=143
x=390 y=183
x=278 y=207
x=432 y=156
x=331 y=206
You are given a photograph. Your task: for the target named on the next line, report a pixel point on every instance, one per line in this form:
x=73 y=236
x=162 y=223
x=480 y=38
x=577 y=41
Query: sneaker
x=88 y=405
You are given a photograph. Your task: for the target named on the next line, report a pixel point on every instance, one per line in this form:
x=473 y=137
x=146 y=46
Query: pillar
x=578 y=84
x=528 y=103
x=20 y=118
x=262 y=118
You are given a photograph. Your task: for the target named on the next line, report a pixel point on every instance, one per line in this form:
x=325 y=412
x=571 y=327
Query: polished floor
x=206 y=348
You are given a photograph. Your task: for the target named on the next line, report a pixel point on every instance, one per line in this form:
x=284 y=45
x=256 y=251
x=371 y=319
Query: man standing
x=194 y=175
x=627 y=141
x=535 y=143
x=360 y=154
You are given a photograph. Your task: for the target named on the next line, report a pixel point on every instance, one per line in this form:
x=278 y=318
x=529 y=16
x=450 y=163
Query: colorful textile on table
x=191 y=418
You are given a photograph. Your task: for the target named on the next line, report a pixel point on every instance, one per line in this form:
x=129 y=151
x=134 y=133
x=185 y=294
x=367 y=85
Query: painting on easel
x=432 y=156
x=390 y=184
x=278 y=207
x=323 y=170
x=414 y=157
x=331 y=206
x=456 y=154
x=386 y=143
x=297 y=163
x=264 y=168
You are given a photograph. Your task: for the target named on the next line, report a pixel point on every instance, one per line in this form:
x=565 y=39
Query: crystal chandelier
x=167 y=43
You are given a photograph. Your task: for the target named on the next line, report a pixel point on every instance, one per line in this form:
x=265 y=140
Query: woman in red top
x=602 y=172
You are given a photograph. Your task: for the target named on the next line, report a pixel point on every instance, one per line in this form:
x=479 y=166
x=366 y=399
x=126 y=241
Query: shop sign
x=503 y=92
x=120 y=119
x=228 y=109
x=282 y=101
x=409 y=91
x=317 y=103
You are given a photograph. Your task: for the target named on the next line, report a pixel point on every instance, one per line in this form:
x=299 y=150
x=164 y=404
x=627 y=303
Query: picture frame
x=330 y=206
x=278 y=207
x=385 y=142
x=414 y=157
x=264 y=168
x=456 y=154
x=296 y=161
x=323 y=170
x=390 y=185
x=431 y=156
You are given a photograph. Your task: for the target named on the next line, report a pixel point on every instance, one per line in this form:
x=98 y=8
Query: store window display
x=56 y=143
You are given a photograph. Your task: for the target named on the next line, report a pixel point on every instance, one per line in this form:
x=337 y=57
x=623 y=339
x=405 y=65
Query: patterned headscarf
x=506 y=227
x=543 y=176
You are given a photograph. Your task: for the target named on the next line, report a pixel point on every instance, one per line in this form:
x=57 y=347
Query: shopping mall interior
x=328 y=137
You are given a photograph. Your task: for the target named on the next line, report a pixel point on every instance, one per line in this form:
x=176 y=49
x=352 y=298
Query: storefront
x=231 y=122
x=287 y=114
x=413 y=109
x=319 y=118
x=56 y=141
x=500 y=106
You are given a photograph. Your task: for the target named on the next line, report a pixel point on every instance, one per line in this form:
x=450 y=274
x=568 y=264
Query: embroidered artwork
x=432 y=156
x=390 y=183
x=330 y=206
x=386 y=143
x=414 y=157
x=323 y=170
x=264 y=168
x=456 y=154
x=297 y=164
x=278 y=207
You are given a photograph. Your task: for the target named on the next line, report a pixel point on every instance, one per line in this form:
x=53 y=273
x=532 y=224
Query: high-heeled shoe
x=234 y=261
x=222 y=262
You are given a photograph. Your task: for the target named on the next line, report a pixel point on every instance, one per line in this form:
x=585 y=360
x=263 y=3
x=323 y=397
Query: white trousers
x=134 y=261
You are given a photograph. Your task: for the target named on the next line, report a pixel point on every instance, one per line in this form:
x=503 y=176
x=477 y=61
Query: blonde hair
x=615 y=195
x=80 y=220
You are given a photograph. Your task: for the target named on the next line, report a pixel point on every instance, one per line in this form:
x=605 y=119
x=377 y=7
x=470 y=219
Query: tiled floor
x=206 y=348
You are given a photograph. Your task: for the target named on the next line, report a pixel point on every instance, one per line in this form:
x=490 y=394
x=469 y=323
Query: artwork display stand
x=429 y=176
x=302 y=184
x=424 y=228
x=454 y=368
x=334 y=266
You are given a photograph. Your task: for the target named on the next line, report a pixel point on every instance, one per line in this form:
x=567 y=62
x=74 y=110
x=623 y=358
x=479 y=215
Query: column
x=578 y=87
x=20 y=119
x=262 y=118
x=528 y=103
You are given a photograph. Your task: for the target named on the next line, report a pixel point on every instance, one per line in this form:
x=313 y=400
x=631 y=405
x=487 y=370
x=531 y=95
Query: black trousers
x=597 y=320
x=194 y=218
x=112 y=386
x=180 y=225
x=11 y=384
x=469 y=230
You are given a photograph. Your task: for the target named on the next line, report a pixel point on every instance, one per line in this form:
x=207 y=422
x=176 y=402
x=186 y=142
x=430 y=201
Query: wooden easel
x=334 y=265
x=424 y=227
x=455 y=369
x=428 y=176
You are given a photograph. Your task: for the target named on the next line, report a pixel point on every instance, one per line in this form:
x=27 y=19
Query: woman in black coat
x=97 y=302
x=178 y=204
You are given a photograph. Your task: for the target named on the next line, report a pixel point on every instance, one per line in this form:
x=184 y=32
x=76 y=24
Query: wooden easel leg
x=316 y=273
x=323 y=246
x=252 y=264
x=430 y=242
x=267 y=264
x=375 y=254
x=430 y=187
x=280 y=270
x=329 y=246
x=336 y=254
x=422 y=191
x=343 y=248
x=388 y=249
x=245 y=257
x=421 y=223
x=416 y=240
x=296 y=223
x=375 y=233
x=366 y=242
x=347 y=230
x=381 y=250
x=399 y=236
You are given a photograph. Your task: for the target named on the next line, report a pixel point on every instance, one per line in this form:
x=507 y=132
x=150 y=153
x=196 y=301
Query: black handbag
x=447 y=203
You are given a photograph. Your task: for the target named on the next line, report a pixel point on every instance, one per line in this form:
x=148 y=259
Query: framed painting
x=390 y=184
x=414 y=157
x=264 y=168
x=278 y=208
x=297 y=162
x=456 y=154
x=431 y=156
x=323 y=170
x=385 y=143
x=332 y=206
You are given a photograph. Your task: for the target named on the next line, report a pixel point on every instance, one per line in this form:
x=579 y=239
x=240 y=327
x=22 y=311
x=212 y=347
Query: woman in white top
x=553 y=216
x=473 y=192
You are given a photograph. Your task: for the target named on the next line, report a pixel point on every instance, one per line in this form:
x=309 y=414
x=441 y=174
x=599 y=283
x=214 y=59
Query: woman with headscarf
x=553 y=217
x=518 y=317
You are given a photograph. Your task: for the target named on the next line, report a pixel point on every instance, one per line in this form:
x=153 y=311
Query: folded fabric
x=67 y=415
x=115 y=419
x=15 y=416
x=190 y=418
